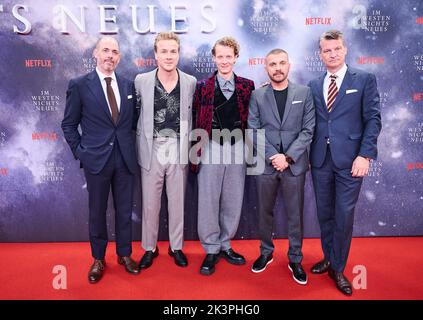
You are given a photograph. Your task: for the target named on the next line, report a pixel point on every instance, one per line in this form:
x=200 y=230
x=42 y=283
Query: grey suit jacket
x=294 y=132
x=144 y=86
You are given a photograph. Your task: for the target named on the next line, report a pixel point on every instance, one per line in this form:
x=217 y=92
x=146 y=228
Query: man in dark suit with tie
x=285 y=111
x=103 y=104
x=348 y=123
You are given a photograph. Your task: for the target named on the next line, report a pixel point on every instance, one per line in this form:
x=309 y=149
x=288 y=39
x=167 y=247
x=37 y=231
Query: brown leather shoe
x=341 y=281
x=321 y=267
x=96 y=271
x=130 y=265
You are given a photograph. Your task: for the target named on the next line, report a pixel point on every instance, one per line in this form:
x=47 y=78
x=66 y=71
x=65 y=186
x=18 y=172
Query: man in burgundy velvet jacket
x=220 y=108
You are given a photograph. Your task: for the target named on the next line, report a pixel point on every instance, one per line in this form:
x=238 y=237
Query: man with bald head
x=103 y=104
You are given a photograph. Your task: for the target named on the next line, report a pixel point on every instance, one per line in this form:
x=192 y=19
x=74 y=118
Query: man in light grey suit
x=286 y=111
x=165 y=100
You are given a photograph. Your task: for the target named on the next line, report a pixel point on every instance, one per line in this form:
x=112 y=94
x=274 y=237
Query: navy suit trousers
x=336 y=196
x=115 y=176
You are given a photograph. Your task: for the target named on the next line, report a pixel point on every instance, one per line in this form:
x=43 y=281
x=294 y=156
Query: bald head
x=106 y=39
x=107 y=54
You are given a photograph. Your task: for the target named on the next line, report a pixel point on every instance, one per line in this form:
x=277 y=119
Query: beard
x=277 y=80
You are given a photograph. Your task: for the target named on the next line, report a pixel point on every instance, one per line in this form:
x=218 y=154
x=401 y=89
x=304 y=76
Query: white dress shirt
x=340 y=77
x=114 y=86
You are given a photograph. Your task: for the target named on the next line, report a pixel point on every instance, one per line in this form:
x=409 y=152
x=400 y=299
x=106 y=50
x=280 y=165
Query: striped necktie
x=332 y=93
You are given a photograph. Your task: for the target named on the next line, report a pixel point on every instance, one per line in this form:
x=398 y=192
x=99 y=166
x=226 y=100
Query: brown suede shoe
x=96 y=271
x=130 y=265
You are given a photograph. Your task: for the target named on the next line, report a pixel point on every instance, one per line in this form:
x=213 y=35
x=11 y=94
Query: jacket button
x=111 y=143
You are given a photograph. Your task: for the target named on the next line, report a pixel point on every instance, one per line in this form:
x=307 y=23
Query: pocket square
x=130 y=96
x=350 y=91
x=296 y=101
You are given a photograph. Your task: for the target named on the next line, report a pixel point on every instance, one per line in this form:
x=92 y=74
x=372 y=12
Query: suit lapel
x=123 y=97
x=183 y=96
x=289 y=100
x=96 y=89
x=320 y=93
x=346 y=83
x=148 y=104
x=271 y=102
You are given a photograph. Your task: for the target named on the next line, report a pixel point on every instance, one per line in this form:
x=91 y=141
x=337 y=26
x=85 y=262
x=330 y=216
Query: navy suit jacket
x=86 y=105
x=354 y=123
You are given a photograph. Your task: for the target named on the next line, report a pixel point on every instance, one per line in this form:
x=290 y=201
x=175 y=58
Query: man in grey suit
x=286 y=112
x=165 y=98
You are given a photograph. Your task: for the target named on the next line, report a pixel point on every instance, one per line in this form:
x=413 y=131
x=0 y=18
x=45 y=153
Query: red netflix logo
x=141 y=62
x=51 y=136
x=324 y=21
x=418 y=96
x=4 y=172
x=414 y=166
x=371 y=60
x=419 y=20
x=38 y=63
x=256 y=61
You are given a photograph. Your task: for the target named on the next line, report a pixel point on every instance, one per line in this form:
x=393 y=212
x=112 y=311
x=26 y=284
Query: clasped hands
x=279 y=162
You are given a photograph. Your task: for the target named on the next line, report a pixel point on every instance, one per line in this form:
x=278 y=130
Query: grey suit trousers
x=165 y=166
x=220 y=197
x=293 y=200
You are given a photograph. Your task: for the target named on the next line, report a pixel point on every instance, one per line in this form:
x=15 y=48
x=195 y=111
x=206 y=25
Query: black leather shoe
x=130 y=265
x=96 y=271
x=207 y=268
x=179 y=257
x=341 y=281
x=232 y=257
x=321 y=267
x=298 y=273
x=147 y=258
x=261 y=263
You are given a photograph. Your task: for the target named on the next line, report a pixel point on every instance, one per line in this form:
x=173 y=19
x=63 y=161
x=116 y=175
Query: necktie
x=112 y=99
x=332 y=93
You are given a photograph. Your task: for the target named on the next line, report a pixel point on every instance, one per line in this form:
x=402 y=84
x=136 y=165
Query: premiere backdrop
x=43 y=44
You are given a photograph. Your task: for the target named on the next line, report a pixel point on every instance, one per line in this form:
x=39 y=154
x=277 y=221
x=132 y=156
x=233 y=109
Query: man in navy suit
x=348 y=123
x=103 y=104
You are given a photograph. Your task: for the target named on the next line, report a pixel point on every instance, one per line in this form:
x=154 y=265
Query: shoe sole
x=296 y=280
x=264 y=268
x=207 y=273
x=236 y=263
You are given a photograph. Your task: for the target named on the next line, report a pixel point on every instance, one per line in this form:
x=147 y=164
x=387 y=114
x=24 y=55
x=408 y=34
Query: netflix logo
x=256 y=61
x=414 y=166
x=418 y=96
x=38 y=63
x=419 y=20
x=49 y=136
x=4 y=172
x=319 y=21
x=142 y=62
x=371 y=60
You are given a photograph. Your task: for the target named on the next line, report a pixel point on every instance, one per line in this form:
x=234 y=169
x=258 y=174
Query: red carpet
x=393 y=268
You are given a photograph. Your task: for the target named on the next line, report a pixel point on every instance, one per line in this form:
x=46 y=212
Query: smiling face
x=277 y=67
x=167 y=55
x=333 y=53
x=107 y=55
x=224 y=59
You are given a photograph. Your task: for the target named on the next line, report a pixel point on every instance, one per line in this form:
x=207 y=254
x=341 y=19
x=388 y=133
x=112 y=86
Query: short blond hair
x=166 y=36
x=227 y=42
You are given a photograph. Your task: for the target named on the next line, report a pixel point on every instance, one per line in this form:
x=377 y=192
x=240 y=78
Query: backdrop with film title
x=43 y=195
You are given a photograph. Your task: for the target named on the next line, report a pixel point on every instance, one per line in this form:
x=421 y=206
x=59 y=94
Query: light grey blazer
x=293 y=134
x=144 y=86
